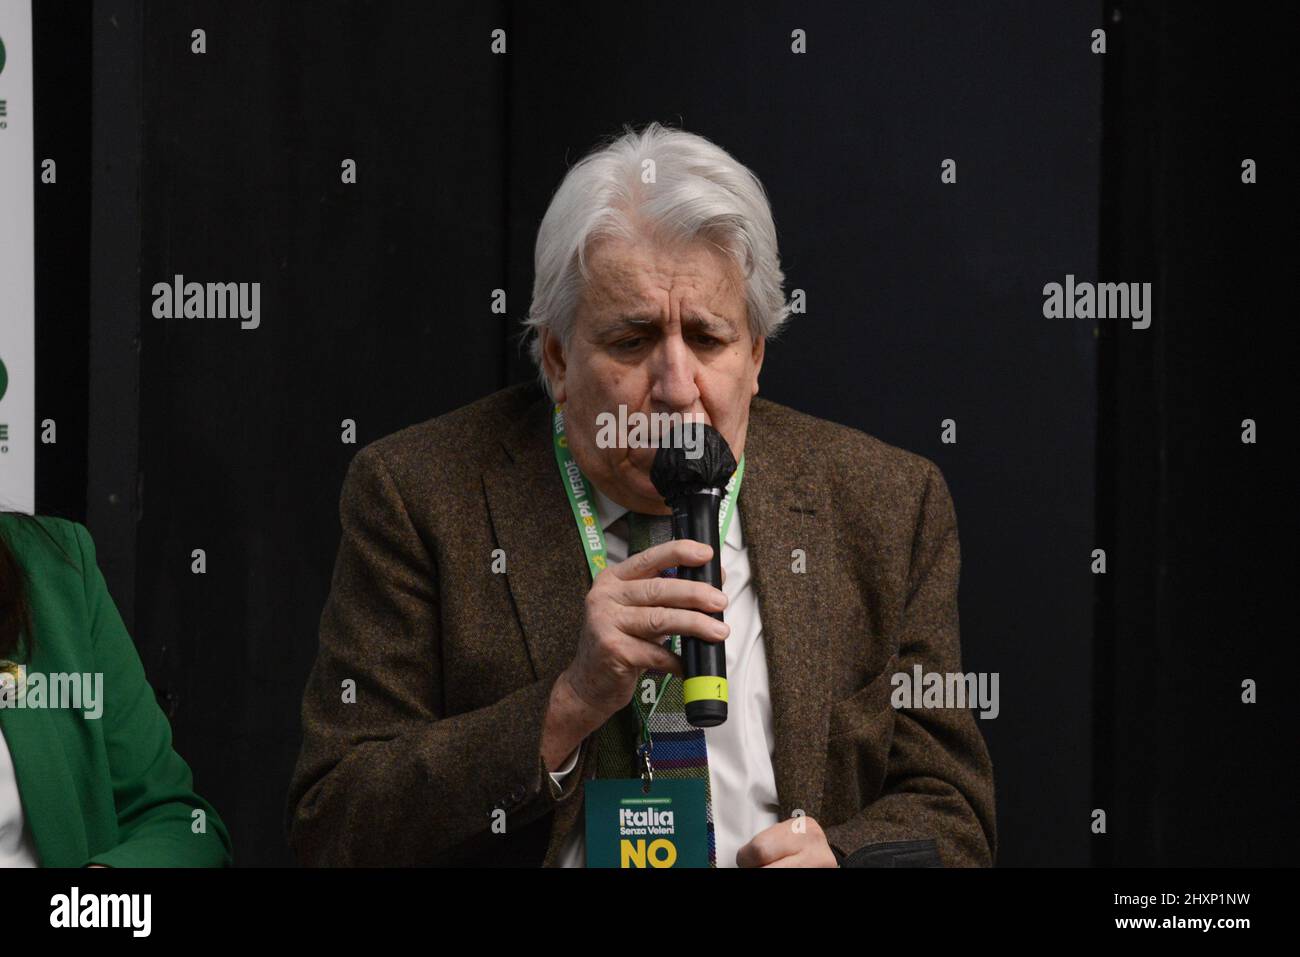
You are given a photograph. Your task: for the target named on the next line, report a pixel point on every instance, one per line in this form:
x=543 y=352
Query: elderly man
x=485 y=665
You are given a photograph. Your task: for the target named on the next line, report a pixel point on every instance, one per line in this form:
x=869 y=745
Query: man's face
x=657 y=330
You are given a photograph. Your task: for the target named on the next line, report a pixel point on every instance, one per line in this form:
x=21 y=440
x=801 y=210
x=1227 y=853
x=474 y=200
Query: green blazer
x=107 y=790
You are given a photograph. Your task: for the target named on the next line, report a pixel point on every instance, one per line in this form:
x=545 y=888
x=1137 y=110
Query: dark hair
x=15 y=609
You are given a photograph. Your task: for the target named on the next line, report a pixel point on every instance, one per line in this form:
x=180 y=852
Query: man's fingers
x=750 y=856
x=655 y=622
x=675 y=592
x=769 y=846
x=657 y=558
x=650 y=655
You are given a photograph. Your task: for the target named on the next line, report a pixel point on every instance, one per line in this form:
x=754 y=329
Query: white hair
x=698 y=192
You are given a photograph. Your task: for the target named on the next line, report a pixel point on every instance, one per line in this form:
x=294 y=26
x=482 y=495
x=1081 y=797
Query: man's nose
x=673 y=375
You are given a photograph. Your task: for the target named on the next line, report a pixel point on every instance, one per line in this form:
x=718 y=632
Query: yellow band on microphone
x=704 y=688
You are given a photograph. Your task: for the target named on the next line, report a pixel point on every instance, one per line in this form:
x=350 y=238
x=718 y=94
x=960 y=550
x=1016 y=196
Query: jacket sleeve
x=939 y=785
x=153 y=789
x=385 y=777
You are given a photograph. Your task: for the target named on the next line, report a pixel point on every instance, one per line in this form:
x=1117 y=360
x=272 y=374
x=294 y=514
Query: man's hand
x=630 y=610
x=797 y=842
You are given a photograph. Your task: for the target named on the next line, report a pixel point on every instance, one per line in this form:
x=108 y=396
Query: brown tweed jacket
x=453 y=663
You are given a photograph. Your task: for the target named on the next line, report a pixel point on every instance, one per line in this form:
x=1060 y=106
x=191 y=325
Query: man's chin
x=642 y=461
x=640 y=493
x=646 y=488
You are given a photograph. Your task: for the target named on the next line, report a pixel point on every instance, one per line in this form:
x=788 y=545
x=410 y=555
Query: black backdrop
x=925 y=303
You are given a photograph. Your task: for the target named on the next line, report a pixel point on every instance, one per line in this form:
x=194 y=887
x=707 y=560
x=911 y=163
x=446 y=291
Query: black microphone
x=693 y=488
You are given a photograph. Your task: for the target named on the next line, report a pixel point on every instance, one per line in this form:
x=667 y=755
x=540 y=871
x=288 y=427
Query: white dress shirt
x=742 y=784
x=16 y=846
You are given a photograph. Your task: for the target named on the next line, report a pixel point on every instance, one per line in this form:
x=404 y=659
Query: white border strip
x=17 y=261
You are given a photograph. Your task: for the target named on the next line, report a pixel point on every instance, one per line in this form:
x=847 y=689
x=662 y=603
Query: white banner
x=17 y=262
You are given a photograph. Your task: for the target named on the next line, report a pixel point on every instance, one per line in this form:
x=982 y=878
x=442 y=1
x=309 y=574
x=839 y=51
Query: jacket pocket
x=849 y=714
x=923 y=853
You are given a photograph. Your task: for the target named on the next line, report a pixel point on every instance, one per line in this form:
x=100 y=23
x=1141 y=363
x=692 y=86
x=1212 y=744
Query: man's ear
x=760 y=350
x=553 y=363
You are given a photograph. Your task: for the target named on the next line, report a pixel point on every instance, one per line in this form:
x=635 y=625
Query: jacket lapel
x=547 y=571
x=783 y=507
x=531 y=519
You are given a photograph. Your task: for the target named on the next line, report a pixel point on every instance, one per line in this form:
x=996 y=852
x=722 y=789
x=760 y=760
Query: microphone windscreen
x=675 y=473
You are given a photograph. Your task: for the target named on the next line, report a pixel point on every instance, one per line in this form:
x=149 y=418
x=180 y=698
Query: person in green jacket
x=94 y=781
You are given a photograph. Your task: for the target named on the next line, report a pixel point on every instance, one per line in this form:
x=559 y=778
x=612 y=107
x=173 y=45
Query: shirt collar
x=609 y=512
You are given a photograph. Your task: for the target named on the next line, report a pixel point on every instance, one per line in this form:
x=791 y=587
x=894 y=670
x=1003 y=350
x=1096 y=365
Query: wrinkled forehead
x=630 y=285
x=693 y=321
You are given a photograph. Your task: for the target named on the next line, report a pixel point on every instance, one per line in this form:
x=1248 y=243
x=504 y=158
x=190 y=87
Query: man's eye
x=708 y=340
x=630 y=343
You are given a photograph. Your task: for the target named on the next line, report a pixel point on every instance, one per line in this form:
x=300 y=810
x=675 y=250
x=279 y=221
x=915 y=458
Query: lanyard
x=593 y=541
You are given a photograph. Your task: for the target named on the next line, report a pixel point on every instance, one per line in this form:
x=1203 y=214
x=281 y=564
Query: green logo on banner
x=4 y=379
x=2 y=55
